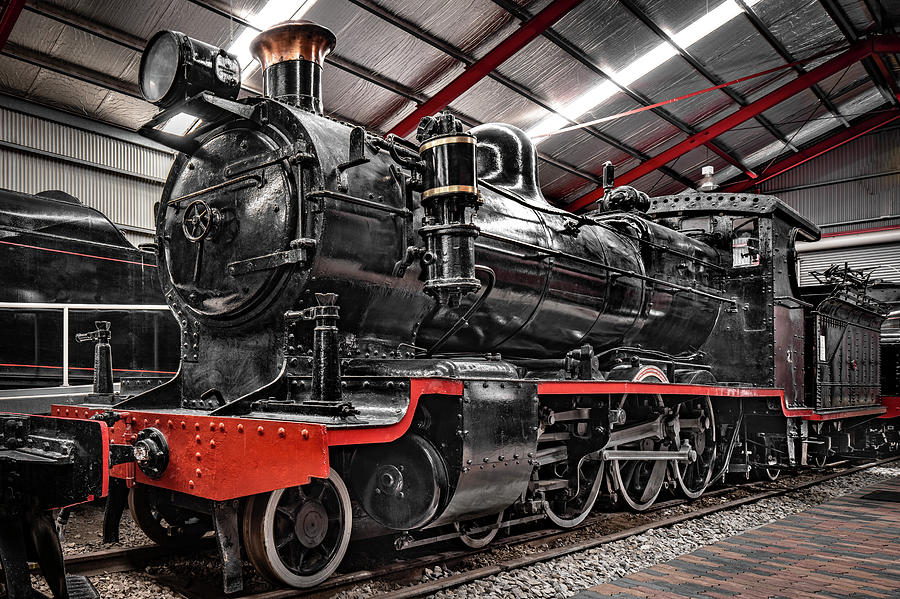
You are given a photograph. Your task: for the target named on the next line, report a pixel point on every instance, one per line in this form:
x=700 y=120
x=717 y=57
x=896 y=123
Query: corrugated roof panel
x=793 y=112
x=675 y=78
x=550 y=72
x=384 y=49
x=607 y=32
x=728 y=50
x=656 y=183
x=747 y=138
x=36 y=33
x=474 y=26
x=586 y=152
x=859 y=15
x=754 y=89
x=358 y=99
x=97 y=54
x=125 y=111
x=557 y=183
x=643 y=131
x=67 y=93
x=192 y=20
x=489 y=101
x=580 y=188
x=802 y=26
x=17 y=77
x=139 y=18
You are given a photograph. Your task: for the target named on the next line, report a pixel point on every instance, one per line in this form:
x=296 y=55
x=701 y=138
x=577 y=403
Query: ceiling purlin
x=837 y=14
x=582 y=57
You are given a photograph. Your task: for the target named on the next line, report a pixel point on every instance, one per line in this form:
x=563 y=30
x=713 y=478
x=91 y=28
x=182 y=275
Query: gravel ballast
x=567 y=575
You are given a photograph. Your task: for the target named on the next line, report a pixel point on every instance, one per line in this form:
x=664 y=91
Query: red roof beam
x=480 y=69
x=844 y=136
x=856 y=52
x=731 y=160
x=888 y=76
x=9 y=14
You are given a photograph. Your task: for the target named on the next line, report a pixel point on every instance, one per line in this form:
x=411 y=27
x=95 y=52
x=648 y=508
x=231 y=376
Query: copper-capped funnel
x=292 y=40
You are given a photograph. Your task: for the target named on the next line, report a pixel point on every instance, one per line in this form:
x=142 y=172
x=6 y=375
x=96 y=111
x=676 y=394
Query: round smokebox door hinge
x=151 y=452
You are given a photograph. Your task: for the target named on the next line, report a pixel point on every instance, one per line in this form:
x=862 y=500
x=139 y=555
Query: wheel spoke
x=283 y=511
x=655 y=482
x=285 y=540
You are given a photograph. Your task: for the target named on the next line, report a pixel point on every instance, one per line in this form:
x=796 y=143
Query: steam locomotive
x=381 y=337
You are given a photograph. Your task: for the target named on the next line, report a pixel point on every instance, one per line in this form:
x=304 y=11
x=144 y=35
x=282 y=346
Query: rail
x=66 y=309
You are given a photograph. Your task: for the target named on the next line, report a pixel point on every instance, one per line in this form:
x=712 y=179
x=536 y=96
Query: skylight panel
x=640 y=67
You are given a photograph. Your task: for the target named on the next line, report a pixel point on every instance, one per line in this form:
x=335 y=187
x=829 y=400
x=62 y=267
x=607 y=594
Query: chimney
x=291 y=56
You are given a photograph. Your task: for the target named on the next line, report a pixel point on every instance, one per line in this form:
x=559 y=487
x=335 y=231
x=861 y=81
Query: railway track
x=410 y=571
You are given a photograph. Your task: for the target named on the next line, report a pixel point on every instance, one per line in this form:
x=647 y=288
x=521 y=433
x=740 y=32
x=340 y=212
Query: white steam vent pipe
x=850 y=241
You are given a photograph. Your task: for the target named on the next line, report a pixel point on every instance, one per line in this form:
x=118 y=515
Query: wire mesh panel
x=848 y=364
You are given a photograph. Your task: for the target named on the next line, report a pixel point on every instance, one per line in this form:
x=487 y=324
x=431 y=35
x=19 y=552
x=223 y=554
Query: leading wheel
x=770 y=474
x=476 y=540
x=569 y=511
x=698 y=428
x=298 y=536
x=163 y=523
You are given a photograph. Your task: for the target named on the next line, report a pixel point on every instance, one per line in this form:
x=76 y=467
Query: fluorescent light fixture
x=275 y=11
x=632 y=72
x=867 y=101
x=180 y=124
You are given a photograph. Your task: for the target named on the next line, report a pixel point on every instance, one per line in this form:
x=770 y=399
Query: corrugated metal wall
x=813 y=191
x=860 y=181
x=884 y=258
x=120 y=178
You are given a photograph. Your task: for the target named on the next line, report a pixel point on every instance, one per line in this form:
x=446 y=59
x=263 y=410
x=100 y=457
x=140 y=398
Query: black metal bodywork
x=55 y=250
x=294 y=224
x=45 y=463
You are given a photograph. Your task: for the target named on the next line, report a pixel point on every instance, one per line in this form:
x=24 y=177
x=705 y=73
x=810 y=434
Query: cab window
x=745 y=243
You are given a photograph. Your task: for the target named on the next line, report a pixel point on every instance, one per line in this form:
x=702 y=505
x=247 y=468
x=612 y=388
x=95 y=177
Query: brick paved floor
x=845 y=547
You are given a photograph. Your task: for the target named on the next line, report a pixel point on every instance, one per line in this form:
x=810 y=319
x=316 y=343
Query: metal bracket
x=229 y=544
x=190 y=336
x=298 y=254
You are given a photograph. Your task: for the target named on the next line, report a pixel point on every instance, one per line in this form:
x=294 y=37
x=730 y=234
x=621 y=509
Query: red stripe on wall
x=37 y=247
x=91 y=368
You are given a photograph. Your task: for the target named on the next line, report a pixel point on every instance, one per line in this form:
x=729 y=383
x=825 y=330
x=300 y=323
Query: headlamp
x=175 y=67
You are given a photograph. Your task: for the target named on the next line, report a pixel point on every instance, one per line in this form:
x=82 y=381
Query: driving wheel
x=574 y=505
x=299 y=535
x=698 y=428
x=477 y=533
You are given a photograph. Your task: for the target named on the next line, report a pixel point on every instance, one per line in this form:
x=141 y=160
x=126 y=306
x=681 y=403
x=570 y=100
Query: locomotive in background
x=380 y=337
x=56 y=253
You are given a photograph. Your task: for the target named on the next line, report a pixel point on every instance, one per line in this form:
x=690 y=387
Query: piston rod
x=685 y=454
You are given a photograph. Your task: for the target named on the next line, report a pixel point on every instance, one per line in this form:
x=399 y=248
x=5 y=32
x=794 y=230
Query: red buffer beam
x=9 y=14
x=835 y=141
x=855 y=53
x=490 y=61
